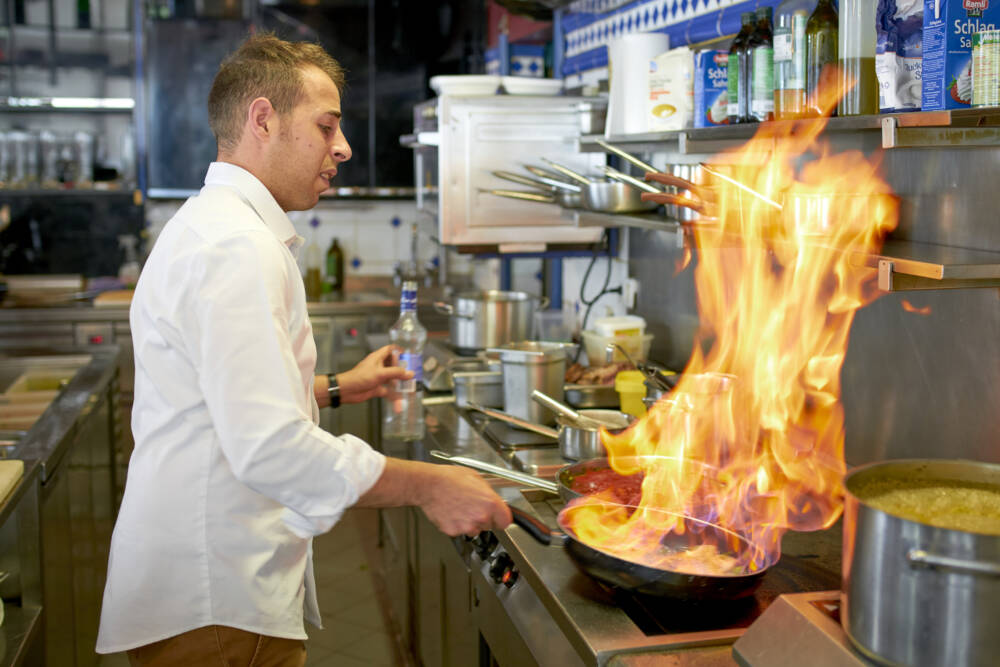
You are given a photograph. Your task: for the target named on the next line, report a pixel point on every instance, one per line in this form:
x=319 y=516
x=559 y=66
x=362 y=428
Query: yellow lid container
x=631 y=391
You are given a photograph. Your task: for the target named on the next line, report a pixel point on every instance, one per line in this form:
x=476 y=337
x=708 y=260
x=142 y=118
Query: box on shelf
x=946 y=76
x=671 y=90
x=525 y=60
x=711 y=94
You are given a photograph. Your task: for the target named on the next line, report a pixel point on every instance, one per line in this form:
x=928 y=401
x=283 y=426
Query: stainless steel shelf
x=638 y=220
x=902 y=265
x=906 y=265
x=952 y=127
x=68 y=104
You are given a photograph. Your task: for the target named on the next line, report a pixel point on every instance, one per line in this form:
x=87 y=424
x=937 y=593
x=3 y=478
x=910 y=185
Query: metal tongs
x=651 y=371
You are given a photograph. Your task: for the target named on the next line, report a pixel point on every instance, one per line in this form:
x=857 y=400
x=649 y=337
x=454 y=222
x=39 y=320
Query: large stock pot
x=479 y=319
x=914 y=593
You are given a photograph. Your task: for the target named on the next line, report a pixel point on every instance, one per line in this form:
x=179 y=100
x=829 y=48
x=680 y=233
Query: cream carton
x=711 y=93
x=947 y=49
x=671 y=92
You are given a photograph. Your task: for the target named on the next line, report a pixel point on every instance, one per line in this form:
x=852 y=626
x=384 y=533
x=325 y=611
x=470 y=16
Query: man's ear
x=261 y=119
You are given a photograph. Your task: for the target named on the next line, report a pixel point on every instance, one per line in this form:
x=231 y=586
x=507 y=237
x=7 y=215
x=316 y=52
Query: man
x=211 y=557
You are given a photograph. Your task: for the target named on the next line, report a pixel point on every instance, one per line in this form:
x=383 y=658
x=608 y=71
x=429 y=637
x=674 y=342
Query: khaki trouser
x=220 y=646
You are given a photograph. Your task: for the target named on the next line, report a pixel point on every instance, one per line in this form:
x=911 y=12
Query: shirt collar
x=254 y=193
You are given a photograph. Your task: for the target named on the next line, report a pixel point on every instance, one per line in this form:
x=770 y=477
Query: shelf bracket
x=890 y=280
x=895 y=136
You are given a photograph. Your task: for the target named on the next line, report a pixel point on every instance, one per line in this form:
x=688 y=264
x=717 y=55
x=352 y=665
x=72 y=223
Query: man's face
x=310 y=145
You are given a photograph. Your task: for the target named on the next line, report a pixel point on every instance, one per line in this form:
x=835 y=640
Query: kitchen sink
x=29 y=384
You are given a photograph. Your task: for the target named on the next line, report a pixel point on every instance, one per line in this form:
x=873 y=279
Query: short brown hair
x=263 y=66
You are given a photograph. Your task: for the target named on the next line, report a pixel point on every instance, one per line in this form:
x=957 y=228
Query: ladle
x=575 y=417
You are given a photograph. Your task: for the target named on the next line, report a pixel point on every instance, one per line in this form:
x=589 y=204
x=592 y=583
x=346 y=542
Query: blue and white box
x=947 y=60
x=711 y=94
x=525 y=60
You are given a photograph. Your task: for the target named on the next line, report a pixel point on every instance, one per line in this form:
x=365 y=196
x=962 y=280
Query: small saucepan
x=565 y=194
x=576 y=441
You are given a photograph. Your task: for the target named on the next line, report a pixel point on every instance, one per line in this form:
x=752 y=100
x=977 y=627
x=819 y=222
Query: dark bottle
x=736 y=87
x=760 y=49
x=334 y=268
x=821 y=50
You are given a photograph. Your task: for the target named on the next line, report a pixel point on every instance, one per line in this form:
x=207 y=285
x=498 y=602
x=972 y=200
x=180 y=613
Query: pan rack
x=902 y=265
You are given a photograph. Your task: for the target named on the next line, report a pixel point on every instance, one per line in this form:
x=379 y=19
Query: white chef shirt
x=231 y=476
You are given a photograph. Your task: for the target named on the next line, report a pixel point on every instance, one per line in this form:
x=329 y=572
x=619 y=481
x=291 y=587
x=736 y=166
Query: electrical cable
x=589 y=303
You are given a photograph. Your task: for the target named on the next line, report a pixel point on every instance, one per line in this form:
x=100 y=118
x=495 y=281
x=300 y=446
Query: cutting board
x=117 y=297
x=11 y=470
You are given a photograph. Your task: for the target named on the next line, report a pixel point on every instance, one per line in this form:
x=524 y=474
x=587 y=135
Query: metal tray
x=592 y=396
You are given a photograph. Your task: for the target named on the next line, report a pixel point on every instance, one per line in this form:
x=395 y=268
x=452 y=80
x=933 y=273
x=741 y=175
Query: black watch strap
x=333 y=391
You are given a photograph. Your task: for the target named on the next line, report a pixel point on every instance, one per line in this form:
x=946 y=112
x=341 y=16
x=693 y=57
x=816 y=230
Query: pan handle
x=523 y=180
x=919 y=557
x=536 y=528
x=503 y=473
x=631 y=180
x=576 y=176
x=511 y=419
x=625 y=155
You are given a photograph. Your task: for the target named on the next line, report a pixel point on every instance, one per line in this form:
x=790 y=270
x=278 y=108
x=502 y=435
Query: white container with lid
x=622 y=325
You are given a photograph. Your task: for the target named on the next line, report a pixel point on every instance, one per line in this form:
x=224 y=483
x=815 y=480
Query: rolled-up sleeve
x=256 y=395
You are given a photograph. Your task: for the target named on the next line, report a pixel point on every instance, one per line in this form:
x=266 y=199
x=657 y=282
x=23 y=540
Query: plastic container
x=556 y=325
x=631 y=389
x=595 y=345
x=623 y=325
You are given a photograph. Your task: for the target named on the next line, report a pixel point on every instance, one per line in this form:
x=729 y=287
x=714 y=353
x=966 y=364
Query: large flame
x=750 y=443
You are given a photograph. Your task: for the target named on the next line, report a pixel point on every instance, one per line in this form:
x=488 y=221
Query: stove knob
x=484 y=544
x=503 y=571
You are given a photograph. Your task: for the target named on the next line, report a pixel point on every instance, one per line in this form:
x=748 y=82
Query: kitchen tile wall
x=374 y=235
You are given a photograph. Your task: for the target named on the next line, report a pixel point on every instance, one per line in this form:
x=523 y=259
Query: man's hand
x=461 y=503
x=371 y=376
x=456 y=500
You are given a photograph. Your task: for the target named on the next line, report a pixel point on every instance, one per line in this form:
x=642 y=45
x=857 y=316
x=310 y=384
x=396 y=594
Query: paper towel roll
x=628 y=66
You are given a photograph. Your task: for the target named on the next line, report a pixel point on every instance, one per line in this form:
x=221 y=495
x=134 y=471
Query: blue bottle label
x=413 y=361
x=408 y=302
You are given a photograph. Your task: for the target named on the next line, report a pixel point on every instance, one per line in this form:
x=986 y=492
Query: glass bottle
x=403 y=407
x=738 y=107
x=821 y=50
x=334 y=268
x=760 y=47
x=790 y=20
x=313 y=277
x=856 y=51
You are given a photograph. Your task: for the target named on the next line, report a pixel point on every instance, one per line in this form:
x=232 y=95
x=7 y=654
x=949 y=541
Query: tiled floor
x=355 y=633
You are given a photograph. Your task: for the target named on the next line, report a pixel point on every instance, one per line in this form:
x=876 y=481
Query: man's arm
x=456 y=500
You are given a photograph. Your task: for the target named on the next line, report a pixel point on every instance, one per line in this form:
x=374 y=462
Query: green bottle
x=334 y=268
x=737 y=82
x=760 y=46
x=821 y=50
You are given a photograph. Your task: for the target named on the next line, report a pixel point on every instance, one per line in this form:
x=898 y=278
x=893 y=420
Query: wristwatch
x=334 y=391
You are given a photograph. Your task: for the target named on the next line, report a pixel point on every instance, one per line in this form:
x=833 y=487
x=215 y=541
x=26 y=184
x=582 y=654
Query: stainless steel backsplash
x=913 y=385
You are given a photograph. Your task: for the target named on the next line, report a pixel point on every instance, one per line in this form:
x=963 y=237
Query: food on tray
x=580 y=374
x=959 y=505
x=624 y=489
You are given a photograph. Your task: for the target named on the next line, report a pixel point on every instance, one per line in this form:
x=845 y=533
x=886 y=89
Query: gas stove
x=574 y=619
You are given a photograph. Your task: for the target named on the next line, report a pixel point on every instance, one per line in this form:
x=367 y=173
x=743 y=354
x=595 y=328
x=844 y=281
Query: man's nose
x=340 y=150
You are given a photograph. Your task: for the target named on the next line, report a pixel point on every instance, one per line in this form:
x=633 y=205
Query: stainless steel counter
x=581 y=620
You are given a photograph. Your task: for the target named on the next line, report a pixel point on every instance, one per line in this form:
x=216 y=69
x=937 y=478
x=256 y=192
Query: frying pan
x=606 y=196
x=565 y=194
x=564 y=198
x=645 y=579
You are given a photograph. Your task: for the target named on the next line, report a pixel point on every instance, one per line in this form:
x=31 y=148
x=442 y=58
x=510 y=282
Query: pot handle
x=536 y=528
x=543 y=302
x=448 y=309
x=921 y=558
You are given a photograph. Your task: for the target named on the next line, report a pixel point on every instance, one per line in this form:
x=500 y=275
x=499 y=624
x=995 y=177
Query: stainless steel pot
x=490 y=318
x=527 y=366
x=606 y=196
x=913 y=593
x=481 y=387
